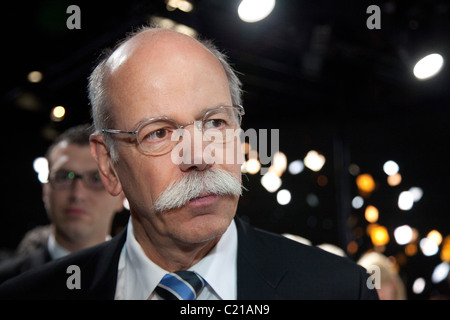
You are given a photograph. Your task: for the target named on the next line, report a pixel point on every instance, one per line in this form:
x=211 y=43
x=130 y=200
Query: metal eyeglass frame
x=72 y=178
x=240 y=110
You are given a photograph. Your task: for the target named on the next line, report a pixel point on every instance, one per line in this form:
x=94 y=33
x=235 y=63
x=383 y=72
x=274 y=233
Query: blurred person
x=77 y=204
x=331 y=248
x=391 y=285
x=297 y=238
x=34 y=239
x=149 y=95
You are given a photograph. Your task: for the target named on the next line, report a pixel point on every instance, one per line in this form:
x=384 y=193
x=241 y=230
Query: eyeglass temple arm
x=240 y=109
x=118 y=131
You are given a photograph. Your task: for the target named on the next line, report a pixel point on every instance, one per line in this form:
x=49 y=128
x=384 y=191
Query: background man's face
x=77 y=211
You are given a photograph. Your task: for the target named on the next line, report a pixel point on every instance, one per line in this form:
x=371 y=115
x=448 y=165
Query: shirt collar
x=139 y=270
x=55 y=250
x=217 y=267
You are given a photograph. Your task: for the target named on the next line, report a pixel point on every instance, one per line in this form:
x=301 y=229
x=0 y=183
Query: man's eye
x=95 y=177
x=63 y=175
x=158 y=134
x=215 y=124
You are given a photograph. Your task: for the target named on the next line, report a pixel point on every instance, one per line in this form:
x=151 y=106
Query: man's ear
x=105 y=165
x=121 y=198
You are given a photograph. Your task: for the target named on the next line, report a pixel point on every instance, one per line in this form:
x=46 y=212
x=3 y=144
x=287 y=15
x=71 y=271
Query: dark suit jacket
x=15 y=266
x=269 y=266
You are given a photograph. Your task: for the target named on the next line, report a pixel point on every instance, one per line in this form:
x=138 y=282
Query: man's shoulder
x=78 y=275
x=17 y=265
x=296 y=255
x=299 y=271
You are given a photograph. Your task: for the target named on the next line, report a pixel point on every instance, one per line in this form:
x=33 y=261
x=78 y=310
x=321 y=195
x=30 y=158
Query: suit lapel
x=258 y=273
x=104 y=280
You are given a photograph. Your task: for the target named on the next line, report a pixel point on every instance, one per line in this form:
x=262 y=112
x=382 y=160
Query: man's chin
x=202 y=228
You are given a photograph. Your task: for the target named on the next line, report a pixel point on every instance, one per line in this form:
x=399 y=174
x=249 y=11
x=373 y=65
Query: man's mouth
x=204 y=199
x=75 y=211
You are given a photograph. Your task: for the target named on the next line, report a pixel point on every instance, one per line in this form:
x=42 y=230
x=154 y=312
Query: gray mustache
x=213 y=181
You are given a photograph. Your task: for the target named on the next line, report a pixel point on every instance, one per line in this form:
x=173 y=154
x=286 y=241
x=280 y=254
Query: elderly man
x=77 y=204
x=152 y=98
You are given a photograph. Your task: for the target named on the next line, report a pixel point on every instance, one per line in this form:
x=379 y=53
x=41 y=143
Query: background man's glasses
x=63 y=180
x=154 y=136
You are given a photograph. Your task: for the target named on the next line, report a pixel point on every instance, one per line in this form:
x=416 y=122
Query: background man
x=78 y=206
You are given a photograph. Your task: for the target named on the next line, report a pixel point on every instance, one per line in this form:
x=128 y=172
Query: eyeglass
x=155 y=136
x=64 y=179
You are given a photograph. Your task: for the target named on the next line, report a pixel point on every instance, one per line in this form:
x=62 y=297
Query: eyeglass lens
x=155 y=137
x=64 y=179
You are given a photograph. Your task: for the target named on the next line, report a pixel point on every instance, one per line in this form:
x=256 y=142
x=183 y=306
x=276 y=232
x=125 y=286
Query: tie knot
x=180 y=285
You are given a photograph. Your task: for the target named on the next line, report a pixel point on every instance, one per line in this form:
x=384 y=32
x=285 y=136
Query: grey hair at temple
x=99 y=97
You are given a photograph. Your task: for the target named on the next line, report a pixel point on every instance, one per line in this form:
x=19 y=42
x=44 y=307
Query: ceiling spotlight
x=271 y=181
x=428 y=66
x=283 y=197
x=255 y=10
x=314 y=160
x=390 y=167
x=403 y=234
x=440 y=272
x=429 y=247
x=35 y=76
x=419 y=285
x=371 y=214
x=357 y=202
x=183 y=5
x=252 y=166
x=58 y=113
x=405 y=200
x=365 y=183
x=295 y=167
x=40 y=165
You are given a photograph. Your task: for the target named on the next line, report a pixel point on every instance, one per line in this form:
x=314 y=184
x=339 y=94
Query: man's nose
x=78 y=189
x=192 y=150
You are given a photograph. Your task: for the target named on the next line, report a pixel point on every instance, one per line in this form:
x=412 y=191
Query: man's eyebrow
x=202 y=112
x=198 y=116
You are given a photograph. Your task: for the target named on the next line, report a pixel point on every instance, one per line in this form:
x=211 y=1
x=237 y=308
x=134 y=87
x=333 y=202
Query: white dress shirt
x=56 y=250
x=138 y=276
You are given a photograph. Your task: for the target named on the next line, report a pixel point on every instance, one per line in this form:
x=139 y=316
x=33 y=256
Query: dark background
x=311 y=69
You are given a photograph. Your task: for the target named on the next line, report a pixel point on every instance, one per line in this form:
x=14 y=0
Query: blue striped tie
x=180 y=285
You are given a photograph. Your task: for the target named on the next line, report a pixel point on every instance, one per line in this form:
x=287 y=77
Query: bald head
x=150 y=57
x=154 y=44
